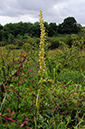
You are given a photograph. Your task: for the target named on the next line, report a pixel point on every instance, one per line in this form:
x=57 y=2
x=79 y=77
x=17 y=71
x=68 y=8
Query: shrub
x=10 y=46
x=26 y=46
x=54 y=43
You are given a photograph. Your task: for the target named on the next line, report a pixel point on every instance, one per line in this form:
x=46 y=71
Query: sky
x=14 y=11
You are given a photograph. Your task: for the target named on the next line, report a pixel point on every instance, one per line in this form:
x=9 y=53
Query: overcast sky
x=13 y=11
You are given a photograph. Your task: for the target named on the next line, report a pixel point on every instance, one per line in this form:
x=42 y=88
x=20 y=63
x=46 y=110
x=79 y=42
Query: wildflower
x=41 y=46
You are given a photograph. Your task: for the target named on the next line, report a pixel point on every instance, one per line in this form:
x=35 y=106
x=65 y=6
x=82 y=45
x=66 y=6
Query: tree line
x=15 y=30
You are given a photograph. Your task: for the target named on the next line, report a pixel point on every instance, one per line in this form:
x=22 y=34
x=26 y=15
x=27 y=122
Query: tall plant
x=42 y=66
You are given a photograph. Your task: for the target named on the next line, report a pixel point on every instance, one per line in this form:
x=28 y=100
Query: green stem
x=38 y=105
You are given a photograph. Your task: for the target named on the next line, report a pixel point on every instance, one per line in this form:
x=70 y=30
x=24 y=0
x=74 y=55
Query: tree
x=69 y=26
x=1 y=27
x=36 y=29
x=8 y=29
x=52 y=29
x=46 y=27
x=10 y=38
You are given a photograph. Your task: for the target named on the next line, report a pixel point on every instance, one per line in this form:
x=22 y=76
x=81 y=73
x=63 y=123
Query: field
x=42 y=88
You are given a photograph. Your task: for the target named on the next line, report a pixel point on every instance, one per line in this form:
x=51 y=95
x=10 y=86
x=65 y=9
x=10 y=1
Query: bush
x=68 y=40
x=3 y=43
x=54 y=43
x=10 y=46
x=26 y=46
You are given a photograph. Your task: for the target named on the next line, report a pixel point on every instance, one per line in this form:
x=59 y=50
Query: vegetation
x=43 y=86
x=12 y=31
x=69 y=26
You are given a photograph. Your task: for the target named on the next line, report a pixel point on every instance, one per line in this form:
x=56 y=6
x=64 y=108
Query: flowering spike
x=42 y=40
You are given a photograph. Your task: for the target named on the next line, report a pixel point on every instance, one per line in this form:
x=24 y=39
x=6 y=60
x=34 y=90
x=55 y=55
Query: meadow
x=42 y=86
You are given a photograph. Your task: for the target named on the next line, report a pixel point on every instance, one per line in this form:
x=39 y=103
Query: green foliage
x=69 y=26
x=54 y=43
x=63 y=93
x=10 y=46
x=36 y=29
x=52 y=30
x=51 y=99
x=10 y=38
x=13 y=31
x=1 y=27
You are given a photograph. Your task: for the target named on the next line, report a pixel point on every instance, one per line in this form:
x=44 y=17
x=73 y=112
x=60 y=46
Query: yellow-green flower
x=41 y=46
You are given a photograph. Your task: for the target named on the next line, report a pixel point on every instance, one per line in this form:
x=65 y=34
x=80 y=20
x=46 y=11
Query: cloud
x=53 y=10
